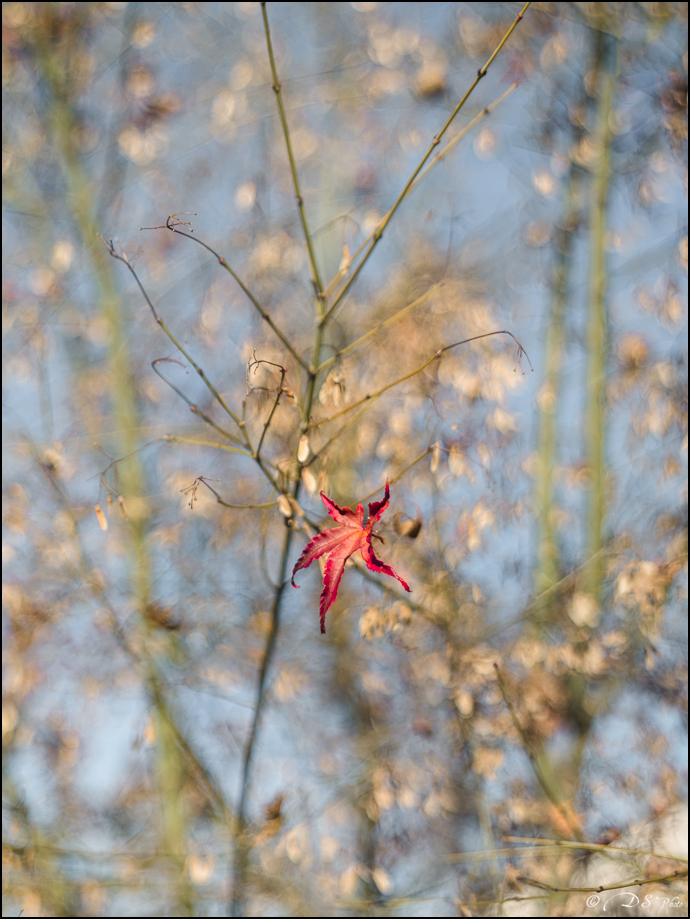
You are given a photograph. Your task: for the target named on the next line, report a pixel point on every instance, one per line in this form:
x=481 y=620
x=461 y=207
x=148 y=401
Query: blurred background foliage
x=178 y=737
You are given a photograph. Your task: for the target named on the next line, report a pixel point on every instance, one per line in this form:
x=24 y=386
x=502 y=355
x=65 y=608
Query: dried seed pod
x=100 y=516
x=303 y=450
x=408 y=527
x=435 y=456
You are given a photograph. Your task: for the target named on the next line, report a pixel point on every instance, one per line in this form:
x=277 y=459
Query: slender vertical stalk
x=242 y=839
x=315 y=276
x=81 y=195
x=595 y=422
x=548 y=559
x=174 y=828
x=54 y=61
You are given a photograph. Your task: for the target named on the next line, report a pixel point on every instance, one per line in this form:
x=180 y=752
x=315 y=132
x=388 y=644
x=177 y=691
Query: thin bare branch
x=373 y=395
x=194 y=408
x=279 y=392
x=534 y=759
x=591 y=847
x=202 y=480
x=634 y=882
x=451 y=145
x=382 y=325
x=218 y=397
x=315 y=276
x=172 y=225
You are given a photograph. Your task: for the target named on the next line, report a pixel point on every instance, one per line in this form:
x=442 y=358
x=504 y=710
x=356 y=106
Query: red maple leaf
x=342 y=542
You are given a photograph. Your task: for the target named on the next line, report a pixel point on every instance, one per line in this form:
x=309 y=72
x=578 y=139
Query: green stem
x=595 y=424
x=548 y=559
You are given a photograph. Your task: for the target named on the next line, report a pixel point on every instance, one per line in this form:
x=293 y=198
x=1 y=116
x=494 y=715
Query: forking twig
x=378 y=233
x=437 y=354
x=172 y=224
